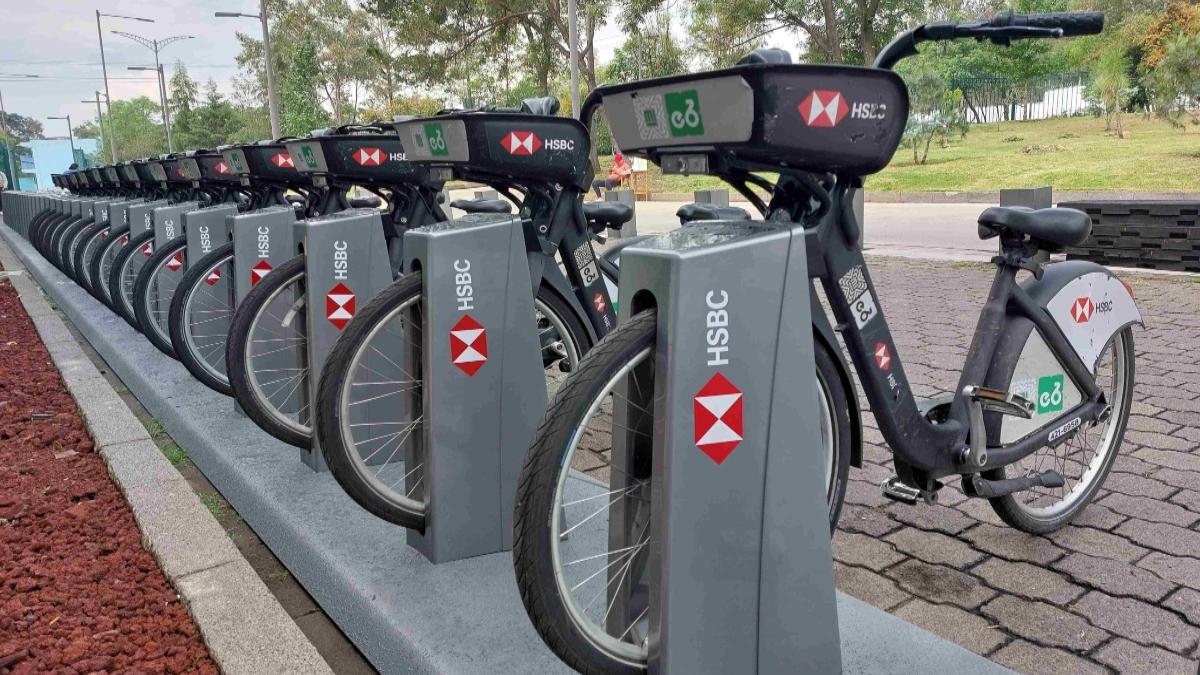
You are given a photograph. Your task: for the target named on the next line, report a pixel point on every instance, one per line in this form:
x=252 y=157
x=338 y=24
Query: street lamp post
x=272 y=100
x=162 y=98
x=112 y=138
x=70 y=133
x=12 y=166
x=156 y=46
x=99 y=115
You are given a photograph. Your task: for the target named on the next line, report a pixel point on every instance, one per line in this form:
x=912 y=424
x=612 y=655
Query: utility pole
x=573 y=44
x=112 y=138
x=100 y=115
x=156 y=46
x=272 y=99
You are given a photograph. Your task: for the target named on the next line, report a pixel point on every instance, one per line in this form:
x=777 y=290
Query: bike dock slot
x=482 y=380
x=739 y=527
x=346 y=264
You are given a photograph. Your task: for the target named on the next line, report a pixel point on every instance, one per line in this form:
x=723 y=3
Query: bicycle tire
x=158 y=333
x=533 y=559
x=81 y=259
x=108 y=251
x=119 y=287
x=237 y=350
x=189 y=285
x=62 y=247
x=341 y=454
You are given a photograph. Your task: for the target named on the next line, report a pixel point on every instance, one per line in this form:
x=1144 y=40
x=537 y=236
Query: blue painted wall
x=49 y=156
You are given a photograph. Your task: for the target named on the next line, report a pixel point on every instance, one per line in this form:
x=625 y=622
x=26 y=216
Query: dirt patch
x=78 y=593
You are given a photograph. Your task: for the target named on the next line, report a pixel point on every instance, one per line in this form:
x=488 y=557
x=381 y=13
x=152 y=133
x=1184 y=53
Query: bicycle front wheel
x=153 y=290
x=101 y=264
x=569 y=572
x=267 y=355
x=201 y=314
x=90 y=242
x=124 y=272
x=370 y=404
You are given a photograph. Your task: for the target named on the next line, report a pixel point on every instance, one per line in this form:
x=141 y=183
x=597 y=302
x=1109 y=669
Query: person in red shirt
x=619 y=172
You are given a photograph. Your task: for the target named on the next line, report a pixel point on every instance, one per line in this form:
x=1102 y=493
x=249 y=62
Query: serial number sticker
x=586 y=264
x=863 y=309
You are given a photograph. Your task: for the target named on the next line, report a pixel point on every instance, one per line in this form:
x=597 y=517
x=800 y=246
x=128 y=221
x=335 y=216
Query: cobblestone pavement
x=1117 y=591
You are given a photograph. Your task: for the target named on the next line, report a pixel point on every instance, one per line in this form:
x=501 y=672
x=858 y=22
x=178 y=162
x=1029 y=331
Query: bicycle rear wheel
x=370 y=404
x=267 y=353
x=156 y=283
x=124 y=272
x=201 y=313
x=569 y=490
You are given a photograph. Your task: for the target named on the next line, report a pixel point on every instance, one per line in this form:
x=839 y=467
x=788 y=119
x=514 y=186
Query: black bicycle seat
x=692 y=212
x=610 y=215
x=545 y=105
x=482 y=205
x=1062 y=227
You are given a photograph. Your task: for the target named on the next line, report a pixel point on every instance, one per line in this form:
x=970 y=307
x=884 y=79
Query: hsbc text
x=717 y=322
x=205 y=239
x=462 y=285
x=868 y=111
x=264 y=242
x=341 y=261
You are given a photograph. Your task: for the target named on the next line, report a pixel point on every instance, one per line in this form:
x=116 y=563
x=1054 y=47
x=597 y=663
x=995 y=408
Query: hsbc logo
x=259 y=271
x=176 y=262
x=717 y=413
x=148 y=249
x=213 y=277
x=883 y=356
x=223 y=168
x=339 y=306
x=1082 y=310
x=468 y=345
x=369 y=157
x=825 y=108
x=283 y=160
x=521 y=143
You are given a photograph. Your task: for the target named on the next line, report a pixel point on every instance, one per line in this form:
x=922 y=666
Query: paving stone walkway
x=1117 y=591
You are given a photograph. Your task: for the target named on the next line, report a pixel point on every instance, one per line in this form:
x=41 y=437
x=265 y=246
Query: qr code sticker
x=853 y=283
x=586 y=263
x=651 y=115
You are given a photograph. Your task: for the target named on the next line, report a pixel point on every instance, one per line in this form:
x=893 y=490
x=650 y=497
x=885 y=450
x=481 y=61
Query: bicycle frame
x=920 y=445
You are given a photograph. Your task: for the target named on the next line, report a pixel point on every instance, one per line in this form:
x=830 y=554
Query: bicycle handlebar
x=1000 y=29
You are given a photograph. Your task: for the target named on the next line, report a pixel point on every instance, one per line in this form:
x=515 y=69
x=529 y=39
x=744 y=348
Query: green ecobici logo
x=310 y=159
x=235 y=158
x=1050 y=393
x=683 y=113
x=436 y=138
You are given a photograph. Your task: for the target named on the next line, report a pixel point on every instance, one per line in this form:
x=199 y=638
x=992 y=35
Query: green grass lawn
x=1068 y=154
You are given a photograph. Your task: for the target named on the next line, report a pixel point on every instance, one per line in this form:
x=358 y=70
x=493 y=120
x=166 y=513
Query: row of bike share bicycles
x=415 y=354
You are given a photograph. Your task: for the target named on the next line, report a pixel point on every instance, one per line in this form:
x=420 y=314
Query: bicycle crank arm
x=977 y=486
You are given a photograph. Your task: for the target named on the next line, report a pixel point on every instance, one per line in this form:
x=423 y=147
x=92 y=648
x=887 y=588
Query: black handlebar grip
x=1073 y=24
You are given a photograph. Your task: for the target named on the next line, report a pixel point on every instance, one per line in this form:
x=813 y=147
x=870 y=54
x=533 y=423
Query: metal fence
x=999 y=99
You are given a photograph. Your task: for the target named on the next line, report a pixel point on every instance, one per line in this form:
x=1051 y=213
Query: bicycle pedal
x=897 y=490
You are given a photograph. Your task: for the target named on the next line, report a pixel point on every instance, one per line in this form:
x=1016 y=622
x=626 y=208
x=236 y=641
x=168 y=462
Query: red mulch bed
x=78 y=593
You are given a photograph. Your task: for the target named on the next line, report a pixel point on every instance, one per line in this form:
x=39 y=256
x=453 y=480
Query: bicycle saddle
x=368 y=202
x=611 y=215
x=690 y=212
x=482 y=205
x=546 y=105
x=1059 y=227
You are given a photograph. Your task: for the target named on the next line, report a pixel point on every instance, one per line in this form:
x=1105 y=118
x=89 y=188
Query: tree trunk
x=831 y=31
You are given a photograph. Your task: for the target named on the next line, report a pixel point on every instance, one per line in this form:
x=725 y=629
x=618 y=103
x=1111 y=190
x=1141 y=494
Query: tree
x=20 y=127
x=935 y=109
x=1111 y=82
x=1175 y=81
x=723 y=32
x=650 y=51
x=184 y=90
x=87 y=130
x=137 y=129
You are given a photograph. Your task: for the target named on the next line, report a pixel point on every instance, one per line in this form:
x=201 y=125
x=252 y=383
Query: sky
x=56 y=40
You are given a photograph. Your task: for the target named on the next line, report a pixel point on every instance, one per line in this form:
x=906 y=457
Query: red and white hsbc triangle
x=339 y=306
x=717 y=412
x=823 y=108
x=259 y=271
x=468 y=345
x=283 y=160
x=369 y=156
x=521 y=143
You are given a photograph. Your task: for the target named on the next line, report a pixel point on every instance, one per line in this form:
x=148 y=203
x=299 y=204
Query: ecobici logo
x=435 y=138
x=1050 y=393
x=310 y=158
x=676 y=114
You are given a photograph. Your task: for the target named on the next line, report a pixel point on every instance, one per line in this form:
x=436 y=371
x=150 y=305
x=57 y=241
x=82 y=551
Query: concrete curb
x=245 y=628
